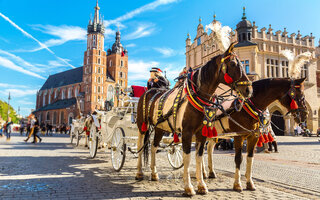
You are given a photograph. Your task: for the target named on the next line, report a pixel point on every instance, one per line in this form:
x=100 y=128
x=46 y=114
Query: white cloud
x=139 y=70
x=142 y=30
x=133 y=13
x=167 y=52
x=25 y=102
x=19 y=92
x=7 y=85
x=64 y=33
x=33 y=38
x=131 y=45
x=4 y=62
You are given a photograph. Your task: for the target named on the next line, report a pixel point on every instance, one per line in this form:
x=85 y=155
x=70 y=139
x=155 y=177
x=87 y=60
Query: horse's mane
x=264 y=84
x=205 y=70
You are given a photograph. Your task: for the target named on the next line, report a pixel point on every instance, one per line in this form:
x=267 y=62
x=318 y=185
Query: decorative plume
x=220 y=34
x=295 y=62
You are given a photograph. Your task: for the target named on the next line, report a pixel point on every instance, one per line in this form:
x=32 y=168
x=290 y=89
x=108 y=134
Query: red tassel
x=214 y=131
x=227 y=78
x=175 y=138
x=87 y=133
x=210 y=133
x=265 y=137
x=270 y=137
x=293 y=105
x=144 y=127
x=85 y=128
x=260 y=141
x=205 y=131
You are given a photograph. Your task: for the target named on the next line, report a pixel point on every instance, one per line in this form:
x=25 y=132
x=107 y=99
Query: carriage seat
x=137 y=91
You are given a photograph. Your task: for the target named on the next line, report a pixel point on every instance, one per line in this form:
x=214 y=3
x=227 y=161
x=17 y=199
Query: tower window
x=98 y=89
x=99 y=50
x=98 y=60
x=110 y=63
x=99 y=79
x=120 y=74
x=99 y=70
x=243 y=36
x=249 y=36
x=121 y=63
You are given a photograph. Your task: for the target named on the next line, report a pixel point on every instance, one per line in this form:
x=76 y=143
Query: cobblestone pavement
x=54 y=169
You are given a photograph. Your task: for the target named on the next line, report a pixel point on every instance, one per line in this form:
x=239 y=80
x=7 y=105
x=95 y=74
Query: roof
x=60 y=104
x=69 y=77
x=244 y=24
x=245 y=44
x=109 y=77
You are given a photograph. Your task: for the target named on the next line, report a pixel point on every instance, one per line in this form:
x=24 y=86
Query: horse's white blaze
x=237 y=176
x=167 y=106
x=153 y=159
x=249 y=169
x=186 y=175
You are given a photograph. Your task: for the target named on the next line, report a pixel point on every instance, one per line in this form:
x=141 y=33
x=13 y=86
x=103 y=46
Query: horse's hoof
x=250 y=186
x=212 y=175
x=202 y=190
x=189 y=192
x=139 y=176
x=237 y=187
x=154 y=177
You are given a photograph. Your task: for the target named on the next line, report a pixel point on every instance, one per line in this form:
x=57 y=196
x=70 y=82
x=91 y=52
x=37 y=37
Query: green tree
x=4 y=112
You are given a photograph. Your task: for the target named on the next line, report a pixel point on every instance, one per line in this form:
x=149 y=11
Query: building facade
x=259 y=51
x=85 y=88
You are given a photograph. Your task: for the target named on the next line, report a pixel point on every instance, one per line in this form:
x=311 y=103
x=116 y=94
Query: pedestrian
x=299 y=130
x=8 y=128
x=274 y=142
x=21 y=127
x=36 y=130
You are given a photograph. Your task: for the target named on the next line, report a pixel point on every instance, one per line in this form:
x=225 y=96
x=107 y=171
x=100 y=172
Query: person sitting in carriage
x=157 y=80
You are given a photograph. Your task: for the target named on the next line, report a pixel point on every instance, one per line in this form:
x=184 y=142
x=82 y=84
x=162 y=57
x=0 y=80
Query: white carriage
x=117 y=130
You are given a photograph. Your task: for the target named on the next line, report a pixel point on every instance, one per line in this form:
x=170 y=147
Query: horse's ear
x=229 y=50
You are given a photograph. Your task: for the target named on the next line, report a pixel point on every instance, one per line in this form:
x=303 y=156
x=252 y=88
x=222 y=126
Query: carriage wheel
x=93 y=141
x=78 y=137
x=175 y=156
x=118 y=149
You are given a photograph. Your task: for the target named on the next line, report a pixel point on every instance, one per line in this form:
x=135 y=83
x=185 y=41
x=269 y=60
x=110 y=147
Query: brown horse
x=287 y=92
x=226 y=69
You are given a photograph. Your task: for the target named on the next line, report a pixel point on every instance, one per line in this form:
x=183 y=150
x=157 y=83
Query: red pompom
x=265 y=137
x=270 y=137
x=85 y=128
x=227 y=78
x=175 y=138
x=205 y=131
x=87 y=133
x=144 y=127
x=293 y=105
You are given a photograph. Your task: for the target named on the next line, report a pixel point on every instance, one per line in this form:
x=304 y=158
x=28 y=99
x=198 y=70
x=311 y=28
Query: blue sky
x=39 y=38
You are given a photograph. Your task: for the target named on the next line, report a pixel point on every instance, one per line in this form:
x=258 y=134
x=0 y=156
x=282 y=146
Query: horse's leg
x=186 y=146
x=202 y=187
x=238 y=142
x=210 y=148
x=139 y=175
x=155 y=144
x=204 y=171
x=251 y=143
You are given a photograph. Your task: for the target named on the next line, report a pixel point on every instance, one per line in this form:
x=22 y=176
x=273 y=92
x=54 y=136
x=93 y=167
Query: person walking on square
x=36 y=130
x=299 y=130
x=31 y=127
x=8 y=129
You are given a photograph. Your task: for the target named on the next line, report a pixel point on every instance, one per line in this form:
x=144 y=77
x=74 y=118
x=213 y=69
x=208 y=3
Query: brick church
x=85 y=88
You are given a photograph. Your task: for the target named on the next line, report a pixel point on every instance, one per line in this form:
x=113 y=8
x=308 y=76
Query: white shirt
x=299 y=129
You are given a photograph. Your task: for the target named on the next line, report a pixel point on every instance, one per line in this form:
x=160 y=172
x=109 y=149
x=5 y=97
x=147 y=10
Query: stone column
x=288 y=125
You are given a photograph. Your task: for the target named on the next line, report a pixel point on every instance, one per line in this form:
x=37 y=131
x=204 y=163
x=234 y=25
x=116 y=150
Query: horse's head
x=233 y=74
x=294 y=100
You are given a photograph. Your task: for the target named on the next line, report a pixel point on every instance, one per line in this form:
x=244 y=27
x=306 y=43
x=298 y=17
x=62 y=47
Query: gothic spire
x=96 y=13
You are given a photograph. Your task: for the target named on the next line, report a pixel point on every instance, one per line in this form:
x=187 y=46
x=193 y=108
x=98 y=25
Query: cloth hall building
x=85 y=88
x=259 y=51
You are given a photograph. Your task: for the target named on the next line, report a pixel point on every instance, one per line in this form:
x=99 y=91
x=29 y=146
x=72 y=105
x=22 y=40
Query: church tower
x=118 y=62
x=94 y=65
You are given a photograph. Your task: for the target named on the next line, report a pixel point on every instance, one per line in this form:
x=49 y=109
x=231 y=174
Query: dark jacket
x=158 y=82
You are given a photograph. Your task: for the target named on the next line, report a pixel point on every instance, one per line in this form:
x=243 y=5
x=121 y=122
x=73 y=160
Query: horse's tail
x=146 y=144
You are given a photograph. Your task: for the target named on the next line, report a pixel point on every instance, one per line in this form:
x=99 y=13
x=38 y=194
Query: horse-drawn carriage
x=78 y=129
x=117 y=130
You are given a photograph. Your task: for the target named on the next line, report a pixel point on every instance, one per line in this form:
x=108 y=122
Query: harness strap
x=222 y=125
x=175 y=107
x=150 y=103
x=162 y=100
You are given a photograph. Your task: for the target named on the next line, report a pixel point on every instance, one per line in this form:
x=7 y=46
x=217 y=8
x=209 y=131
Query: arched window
x=69 y=93
x=120 y=74
x=249 y=36
x=99 y=69
x=98 y=89
x=99 y=79
x=76 y=92
x=99 y=50
x=43 y=99
x=61 y=117
x=98 y=60
x=56 y=93
x=48 y=116
x=49 y=98
x=62 y=94
x=121 y=63
x=243 y=36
